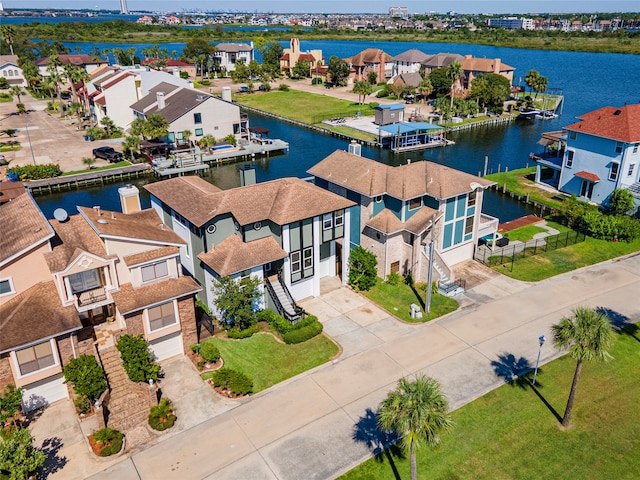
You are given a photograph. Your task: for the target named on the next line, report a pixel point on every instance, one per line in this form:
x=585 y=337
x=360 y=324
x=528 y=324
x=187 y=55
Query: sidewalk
x=305 y=427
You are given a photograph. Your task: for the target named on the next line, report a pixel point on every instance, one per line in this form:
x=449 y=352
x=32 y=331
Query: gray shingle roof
x=411 y=56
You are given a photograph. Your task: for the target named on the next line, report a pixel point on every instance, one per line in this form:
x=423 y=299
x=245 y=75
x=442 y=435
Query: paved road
x=313 y=426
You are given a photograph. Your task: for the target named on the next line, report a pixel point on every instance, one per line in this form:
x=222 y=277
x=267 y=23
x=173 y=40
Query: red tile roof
x=621 y=124
x=588 y=176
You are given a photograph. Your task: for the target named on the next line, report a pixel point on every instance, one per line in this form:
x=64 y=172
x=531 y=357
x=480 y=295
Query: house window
x=631 y=167
x=635 y=147
x=296 y=265
x=327 y=221
x=573 y=135
x=162 y=316
x=6 y=286
x=338 y=220
x=613 y=174
x=37 y=357
x=301 y=245
x=415 y=203
x=84 y=281
x=197 y=118
x=154 y=271
x=198 y=132
x=307 y=257
x=468 y=226
x=471 y=199
x=619 y=147
x=569 y=162
x=378 y=198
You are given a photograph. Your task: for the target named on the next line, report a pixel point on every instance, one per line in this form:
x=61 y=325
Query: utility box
x=416 y=312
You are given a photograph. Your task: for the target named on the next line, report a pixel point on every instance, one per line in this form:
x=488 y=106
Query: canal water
x=587 y=80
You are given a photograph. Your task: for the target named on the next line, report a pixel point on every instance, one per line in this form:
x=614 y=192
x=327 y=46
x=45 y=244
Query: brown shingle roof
x=484 y=65
x=73 y=238
x=386 y=221
x=411 y=56
x=130 y=299
x=33 y=315
x=154 y=254
x=233 y=255
x=407 y=181
x=440 y=60
x=144 y=225
x=369 y=56
x=282 y=201
x=177 y=103
x=23 y=226
x=79 y=59
x=621 y=124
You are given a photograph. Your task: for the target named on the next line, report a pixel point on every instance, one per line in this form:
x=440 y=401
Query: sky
x=344 y=6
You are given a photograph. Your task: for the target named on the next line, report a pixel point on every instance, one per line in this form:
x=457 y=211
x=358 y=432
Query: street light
x=541 y=340
x=29 y=138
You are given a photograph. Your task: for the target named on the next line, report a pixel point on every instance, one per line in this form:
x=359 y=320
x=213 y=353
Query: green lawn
x=123 y=163
x=268 y=361
x=524 y=234
x=514 y=433
x=396 y=299
x=521 y=182
x=563 y=260
x=305 y=107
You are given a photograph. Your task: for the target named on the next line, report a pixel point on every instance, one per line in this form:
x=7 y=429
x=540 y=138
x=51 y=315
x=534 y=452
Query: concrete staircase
x=129 y=403
x=282 y=297
x=445 y=285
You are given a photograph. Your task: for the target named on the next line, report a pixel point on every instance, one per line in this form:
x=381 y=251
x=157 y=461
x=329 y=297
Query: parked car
x=108 y=153
x=243 y=89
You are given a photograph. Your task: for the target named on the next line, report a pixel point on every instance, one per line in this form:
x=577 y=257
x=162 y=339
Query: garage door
x=167 y=347
x=44 y=392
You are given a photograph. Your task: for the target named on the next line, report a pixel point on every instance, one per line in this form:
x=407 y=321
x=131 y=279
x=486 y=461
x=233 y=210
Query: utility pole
x=430 y=273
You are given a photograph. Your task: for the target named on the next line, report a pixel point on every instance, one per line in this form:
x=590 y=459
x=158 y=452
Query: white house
x=227 y=54
x=408 y=62
x=10 y=70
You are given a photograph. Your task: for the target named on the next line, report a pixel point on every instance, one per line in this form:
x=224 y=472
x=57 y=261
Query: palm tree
x=531 y=78
x=207 y=141
x=587 y=334
x=454 y=73
x=362 y=88
x=17 y=91
x=417 y=412
x=425 y=88
x=8 y=33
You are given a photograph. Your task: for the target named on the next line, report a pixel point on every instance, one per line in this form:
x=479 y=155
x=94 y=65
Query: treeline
x=119 y=31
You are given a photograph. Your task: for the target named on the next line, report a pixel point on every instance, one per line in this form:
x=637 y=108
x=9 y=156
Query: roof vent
x=97 y=209
x=199 y=98
x=60 y=214
x=102 y=221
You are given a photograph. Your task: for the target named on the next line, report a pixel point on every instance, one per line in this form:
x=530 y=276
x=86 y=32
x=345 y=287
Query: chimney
x=496 y=65
x=247 y=175
x=129 y=199
x=160 y=100
x=355 y=148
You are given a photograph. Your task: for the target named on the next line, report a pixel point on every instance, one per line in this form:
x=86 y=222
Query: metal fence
x=517 y=251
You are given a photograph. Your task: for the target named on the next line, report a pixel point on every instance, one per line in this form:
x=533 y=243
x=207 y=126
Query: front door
x=339 y=259
x=587 y=189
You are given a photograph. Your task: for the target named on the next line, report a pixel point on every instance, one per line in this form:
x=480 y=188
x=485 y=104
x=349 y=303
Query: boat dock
x=90 y=178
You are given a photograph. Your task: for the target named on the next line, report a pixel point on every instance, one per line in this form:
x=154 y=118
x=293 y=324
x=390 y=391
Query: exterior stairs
x=128 y=403
x=285 y=305
x=446 y=287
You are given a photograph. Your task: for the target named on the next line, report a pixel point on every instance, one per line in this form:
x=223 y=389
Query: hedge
x=303 y=334
x=236 y=382
x=209 y=352
x=107 y=435
x=35 y=172
x=238 y=334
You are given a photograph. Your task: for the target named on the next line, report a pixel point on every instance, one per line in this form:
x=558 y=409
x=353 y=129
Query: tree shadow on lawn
x=516 y=373
x=621 y=323
x=381 y=443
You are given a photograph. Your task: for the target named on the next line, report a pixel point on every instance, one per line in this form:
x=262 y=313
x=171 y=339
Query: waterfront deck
x=265 y=147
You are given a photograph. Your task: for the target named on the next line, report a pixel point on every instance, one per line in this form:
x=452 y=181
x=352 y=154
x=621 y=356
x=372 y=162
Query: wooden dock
x=79 y=180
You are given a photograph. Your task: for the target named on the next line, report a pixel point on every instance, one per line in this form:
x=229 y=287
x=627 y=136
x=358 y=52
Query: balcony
x=91 y=297
x=488 y=225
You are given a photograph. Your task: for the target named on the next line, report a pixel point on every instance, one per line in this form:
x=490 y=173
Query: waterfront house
x=289 y=233
x=292 y=55
x=227 y=54
x=472 y=67
x=408 y=62
x=170 y=65
x=370 y=60
x=601 y=154
x=440 y=60
x=192 y=110
x=78 y=279
x=10 y=70
x=83 y=60
x=401 y=210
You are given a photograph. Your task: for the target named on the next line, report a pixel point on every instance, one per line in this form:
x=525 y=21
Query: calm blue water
x=587 y=80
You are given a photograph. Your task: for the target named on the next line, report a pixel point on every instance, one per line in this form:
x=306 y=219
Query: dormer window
x=154 y=271
x=415 y=203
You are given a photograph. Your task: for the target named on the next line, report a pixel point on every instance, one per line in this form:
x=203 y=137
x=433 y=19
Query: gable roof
x=622 y=124
x=129 y=299
x=233 y=255
x=490 y=65
x=79 y=59
x=440 y=60
x=411 y=56
x=387 y=223
x=411 y=79
x=282 y=201
x=24 y=226
x=8 y=59
x=151 y=98
x=233 y=47
x=167 y=62
x=143 y=225
x=33 y=315
x=178 y=101
x=372 y=178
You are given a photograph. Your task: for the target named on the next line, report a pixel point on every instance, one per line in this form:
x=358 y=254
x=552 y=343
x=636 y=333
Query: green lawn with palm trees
x=515 y=431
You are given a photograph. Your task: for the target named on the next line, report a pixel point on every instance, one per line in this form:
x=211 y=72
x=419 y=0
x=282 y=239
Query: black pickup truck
x=108 y=153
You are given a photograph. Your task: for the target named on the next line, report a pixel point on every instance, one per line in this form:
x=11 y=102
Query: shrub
x=110 y=440
x=10 y=402
x=95 y=132
x=136 y=359
x=83 y=404
x=236 y=382
x=239 y=334
x=317 y=81
x=87 y=377
x=195 y=347
x=36 y=172
x=283 y=87
x=362 y=269
x=18 y=457
x=161 y=417
x=393 y=278
x=209 y=352
x=303 y=334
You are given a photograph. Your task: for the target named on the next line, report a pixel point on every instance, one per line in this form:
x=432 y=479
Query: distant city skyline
x=351 y=6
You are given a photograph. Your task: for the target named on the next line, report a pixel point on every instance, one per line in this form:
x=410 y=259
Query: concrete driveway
x=320 y=424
